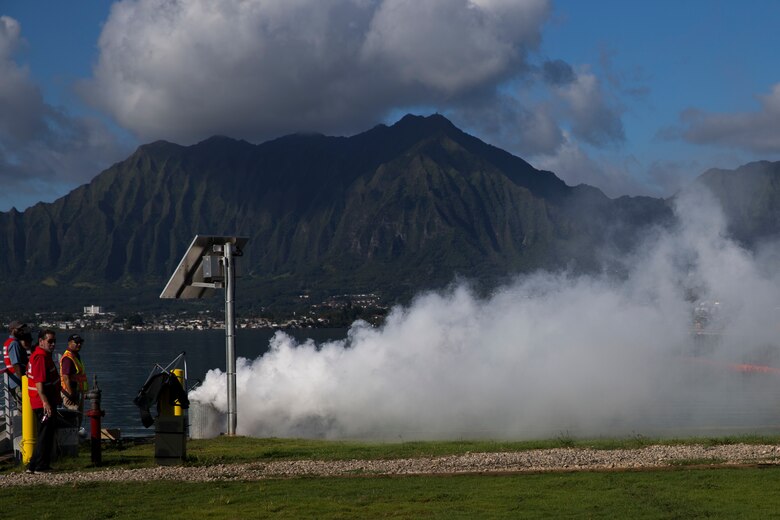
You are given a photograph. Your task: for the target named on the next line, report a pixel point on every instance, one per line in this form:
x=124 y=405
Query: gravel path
x=559 y=459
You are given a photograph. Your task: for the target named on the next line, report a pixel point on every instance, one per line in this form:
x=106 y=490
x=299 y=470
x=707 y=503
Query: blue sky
x=632 y=97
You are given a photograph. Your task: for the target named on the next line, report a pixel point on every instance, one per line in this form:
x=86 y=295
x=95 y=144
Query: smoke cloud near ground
x=551 y=354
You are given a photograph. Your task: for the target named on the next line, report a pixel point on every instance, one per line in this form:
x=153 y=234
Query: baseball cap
x=76 y=338
x=16 y=324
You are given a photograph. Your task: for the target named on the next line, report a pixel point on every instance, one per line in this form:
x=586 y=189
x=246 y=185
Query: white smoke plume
x=551 y=354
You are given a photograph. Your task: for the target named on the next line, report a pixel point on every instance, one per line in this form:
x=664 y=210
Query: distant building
x=93 y=310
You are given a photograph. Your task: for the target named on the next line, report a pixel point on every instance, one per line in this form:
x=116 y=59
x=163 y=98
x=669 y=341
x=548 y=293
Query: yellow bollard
x=29 y=429
x=177 y=410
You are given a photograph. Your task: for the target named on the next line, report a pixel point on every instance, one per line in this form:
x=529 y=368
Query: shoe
x=29 y=471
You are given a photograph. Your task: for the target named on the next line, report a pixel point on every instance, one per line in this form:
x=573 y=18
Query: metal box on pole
x=209 y=264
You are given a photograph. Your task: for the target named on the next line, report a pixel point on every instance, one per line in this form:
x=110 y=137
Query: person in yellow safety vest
x=73 y=377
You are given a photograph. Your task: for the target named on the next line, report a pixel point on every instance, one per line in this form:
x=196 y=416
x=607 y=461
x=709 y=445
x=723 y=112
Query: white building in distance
x=93 y=310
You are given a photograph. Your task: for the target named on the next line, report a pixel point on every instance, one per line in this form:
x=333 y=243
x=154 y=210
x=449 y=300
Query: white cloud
x=21 y=102
x=453 y=46
x=757 y=132
x=615 y=177
x=187 y=70
x=618 y=174
x=594 y=119
x=547 y=125
x=42 y=147
x=506 y=123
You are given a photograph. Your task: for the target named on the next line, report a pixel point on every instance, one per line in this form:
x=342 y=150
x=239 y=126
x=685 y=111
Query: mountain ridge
x=395 y=210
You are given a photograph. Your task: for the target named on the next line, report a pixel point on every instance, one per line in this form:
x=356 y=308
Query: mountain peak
x=432 y=123
x=157 y=147
x=219 y=138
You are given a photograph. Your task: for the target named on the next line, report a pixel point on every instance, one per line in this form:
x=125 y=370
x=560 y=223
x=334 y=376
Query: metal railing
x=6 y=421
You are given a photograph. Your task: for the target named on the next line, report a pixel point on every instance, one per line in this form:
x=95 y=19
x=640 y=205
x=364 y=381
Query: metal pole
x=230 y=347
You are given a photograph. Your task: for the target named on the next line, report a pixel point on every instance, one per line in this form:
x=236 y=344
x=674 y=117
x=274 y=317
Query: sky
x=635 y=98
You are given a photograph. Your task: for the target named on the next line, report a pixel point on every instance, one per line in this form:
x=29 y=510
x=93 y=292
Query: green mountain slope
x=394 y=210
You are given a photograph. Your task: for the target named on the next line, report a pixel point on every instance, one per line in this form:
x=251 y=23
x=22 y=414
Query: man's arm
x=66 y=388
x=19 y=369
x=67 y=383
x=17 y=375
x=44 y=400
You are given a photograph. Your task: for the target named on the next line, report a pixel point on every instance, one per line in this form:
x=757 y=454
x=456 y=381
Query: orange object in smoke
x=745 y=368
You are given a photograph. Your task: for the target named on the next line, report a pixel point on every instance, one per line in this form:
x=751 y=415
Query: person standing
x=73 y=376
x=15 y=359
x=44 y=390
x=25 y=338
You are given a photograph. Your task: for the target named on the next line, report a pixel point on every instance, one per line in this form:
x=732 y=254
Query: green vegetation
x=86 y=285
x=49 y=282
x=680 y=492
x=392 y=211
x=683 y=493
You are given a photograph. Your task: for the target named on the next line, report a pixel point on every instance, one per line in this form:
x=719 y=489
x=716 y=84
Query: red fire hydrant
x=94 y=414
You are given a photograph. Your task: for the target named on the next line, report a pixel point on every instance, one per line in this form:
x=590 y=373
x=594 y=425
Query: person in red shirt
x=43 y=387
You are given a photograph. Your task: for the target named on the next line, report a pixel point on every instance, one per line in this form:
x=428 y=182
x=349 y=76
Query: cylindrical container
x=206 y=422
x=68 y=433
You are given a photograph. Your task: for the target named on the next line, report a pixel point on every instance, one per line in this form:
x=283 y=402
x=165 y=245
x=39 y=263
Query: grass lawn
x=680 y=492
